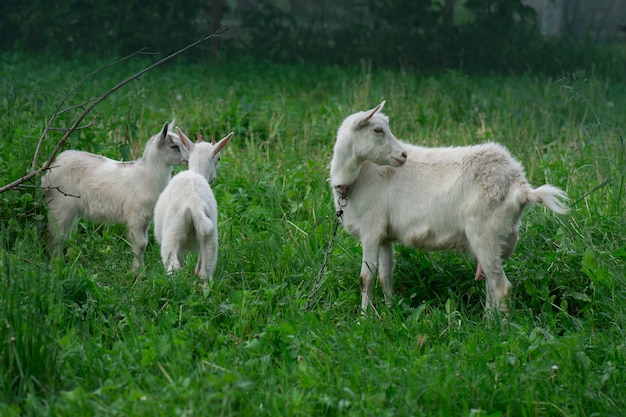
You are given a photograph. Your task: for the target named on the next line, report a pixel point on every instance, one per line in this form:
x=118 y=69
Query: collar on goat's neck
x=343 y=191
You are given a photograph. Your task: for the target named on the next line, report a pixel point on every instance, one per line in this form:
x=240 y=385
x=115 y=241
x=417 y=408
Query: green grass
x=82 y=337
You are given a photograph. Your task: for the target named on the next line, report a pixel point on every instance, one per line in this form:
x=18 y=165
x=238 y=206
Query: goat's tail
x=202 y=222
x=550 y=196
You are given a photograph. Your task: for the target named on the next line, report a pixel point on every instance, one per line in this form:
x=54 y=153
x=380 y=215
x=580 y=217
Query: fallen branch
x=88 y=106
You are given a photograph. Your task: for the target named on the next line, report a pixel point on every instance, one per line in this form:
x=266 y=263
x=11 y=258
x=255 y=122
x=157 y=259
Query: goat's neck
x=344 y=167
x=196 y=166
x=156 y=171
x=200 y=167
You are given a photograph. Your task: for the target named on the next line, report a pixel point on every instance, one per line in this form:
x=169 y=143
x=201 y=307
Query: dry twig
x=87 y=107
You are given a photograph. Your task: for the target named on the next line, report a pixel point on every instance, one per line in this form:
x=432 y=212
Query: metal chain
x=342 y=202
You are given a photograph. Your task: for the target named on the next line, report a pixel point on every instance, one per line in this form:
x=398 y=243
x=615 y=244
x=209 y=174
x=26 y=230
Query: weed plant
x=82 y=336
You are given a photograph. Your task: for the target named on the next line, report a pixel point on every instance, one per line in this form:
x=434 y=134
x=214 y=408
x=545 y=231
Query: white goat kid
x=81 y=184
x=469 y=198
x=185 y=216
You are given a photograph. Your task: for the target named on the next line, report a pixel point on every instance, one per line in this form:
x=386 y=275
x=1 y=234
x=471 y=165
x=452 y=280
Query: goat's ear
x=372 y=112
x=220 y=145
x=186 y=141
x=164 y=130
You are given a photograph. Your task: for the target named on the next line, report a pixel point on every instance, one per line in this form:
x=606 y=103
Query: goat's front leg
x=57 y=237
x=60 y=224
x=138 y=237
x=385 y=271
x=368 y=269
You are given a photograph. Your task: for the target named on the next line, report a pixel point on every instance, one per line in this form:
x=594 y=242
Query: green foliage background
x=92 y=27
x=499 y=36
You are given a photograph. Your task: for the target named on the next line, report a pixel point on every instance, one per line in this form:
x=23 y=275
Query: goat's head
x=204 y=156
x=170 y=147
x=371 y=139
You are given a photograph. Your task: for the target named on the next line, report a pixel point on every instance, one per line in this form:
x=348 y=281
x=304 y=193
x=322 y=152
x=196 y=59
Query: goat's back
x=92 y=186
x=183 y=208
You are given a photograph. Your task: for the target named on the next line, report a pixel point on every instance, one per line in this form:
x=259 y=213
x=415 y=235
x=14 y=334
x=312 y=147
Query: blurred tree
x=492 y=35
x=503 y=34
x=94 y=26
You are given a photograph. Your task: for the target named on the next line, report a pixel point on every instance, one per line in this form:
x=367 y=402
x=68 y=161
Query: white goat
x=469 y=198
x=81 y=184
x=185 y=216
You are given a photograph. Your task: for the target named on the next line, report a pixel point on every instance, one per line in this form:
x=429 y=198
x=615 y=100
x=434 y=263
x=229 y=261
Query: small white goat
x=185 y=216
x=469 y=198
x=81 y=184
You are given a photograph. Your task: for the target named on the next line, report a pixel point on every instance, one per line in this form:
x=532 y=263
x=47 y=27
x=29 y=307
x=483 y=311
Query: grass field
x=83 y=337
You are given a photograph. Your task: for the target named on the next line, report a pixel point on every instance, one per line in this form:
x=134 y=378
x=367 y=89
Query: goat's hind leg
x=507 y=251
x=207 y=257
x=172 y=259
x=171 y=255
x=498 y=285
x=488 y=252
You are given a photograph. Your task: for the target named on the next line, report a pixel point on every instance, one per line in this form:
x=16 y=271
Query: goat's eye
x=378 y=130
x=175 y=147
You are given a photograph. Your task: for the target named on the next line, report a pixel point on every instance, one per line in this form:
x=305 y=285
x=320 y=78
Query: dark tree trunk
x=216 y=23
x=448 y=22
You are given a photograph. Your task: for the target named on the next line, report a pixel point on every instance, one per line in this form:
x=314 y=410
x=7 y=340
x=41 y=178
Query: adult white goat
x=185 y=216
x=81 y=184
x=469 y=198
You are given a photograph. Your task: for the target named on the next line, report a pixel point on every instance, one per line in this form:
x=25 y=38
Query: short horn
x=183 y=137
x=223 y=142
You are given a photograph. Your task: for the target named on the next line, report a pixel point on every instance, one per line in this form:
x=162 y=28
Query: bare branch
x=66 y=129
x=59 y=109
x=78 y=106
x=88 y=106
x=61 y=191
